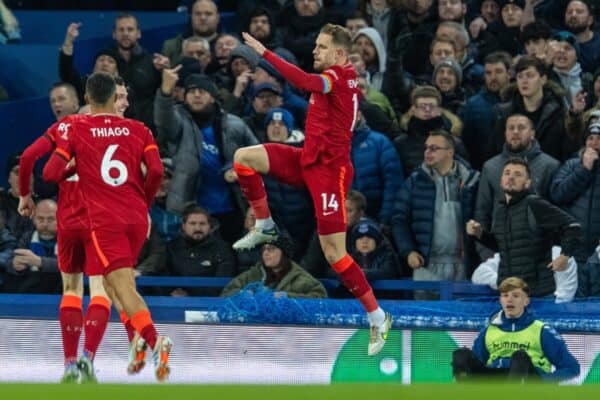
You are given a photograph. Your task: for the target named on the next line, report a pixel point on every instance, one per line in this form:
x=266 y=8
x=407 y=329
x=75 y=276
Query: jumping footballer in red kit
x=323 y=165
x=109 y=151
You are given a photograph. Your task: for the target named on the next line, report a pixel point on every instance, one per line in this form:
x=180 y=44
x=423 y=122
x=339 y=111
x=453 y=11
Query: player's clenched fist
x=169 y=79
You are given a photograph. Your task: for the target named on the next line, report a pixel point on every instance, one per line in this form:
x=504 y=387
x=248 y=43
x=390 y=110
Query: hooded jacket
x=297 y=283
x=376 y=74
x=553 y=346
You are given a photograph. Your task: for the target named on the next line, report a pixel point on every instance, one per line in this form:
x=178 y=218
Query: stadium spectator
x=566 y=281
x=579 y=20
x=168 y=224
x=276 y=270
x=138 y=68
x=198 y=251
x=261 y=25
x=536 y=350
x=106 y=61
x=355 y=22
x=379 y=13
x=503 y=34
x=543 y=102
x=576 y=188
x=447 y=78
x=524 y=229
x=197 y=47
x=424 y=116
x=374 y=96
x=452 y=10
x=203 y=138
x=377 y=170
x=246 y=259
x=242 y=64
x=63 y=100
x=265 y=97
x=301 y=28
x=566 y=68
x=34 y=268
x=219 y=68
x=7 y=245
x=204 y=22
x=369 y=44
x=535 y=38
x=9 y=201
x=519 y=142
x=430 y=212
x=472 y=71
x=372 y=251
x=478 y=113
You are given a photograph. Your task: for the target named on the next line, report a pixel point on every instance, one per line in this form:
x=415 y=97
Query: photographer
x=576 y=188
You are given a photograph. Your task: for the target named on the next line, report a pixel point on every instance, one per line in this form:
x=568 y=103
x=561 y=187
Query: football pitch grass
x=315 y=392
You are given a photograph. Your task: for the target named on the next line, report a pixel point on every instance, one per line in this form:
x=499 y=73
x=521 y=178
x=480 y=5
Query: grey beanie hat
x=247 y=54
x=450 y=63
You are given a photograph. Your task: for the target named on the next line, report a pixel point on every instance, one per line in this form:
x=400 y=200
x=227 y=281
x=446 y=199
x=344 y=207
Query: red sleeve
x=154 y=167
x=55 y=168
x=297 y=77
x=42 y=146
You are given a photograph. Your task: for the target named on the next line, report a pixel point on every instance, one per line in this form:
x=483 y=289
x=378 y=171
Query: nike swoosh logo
x=326 y=213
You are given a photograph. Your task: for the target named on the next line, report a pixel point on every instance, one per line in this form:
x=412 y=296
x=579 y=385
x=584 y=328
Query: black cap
x=200 y=81
x=189 y=65
x=12 y=161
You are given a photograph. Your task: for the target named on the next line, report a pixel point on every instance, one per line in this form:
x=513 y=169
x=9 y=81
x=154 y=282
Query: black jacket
x=524 y=231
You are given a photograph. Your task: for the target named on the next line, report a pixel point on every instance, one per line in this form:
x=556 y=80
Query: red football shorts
x=76 y=253
x=327 y=184
x=119 y=246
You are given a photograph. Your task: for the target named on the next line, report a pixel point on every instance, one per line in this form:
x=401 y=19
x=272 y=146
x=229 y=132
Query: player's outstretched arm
x=293 y=74
x=42 y=146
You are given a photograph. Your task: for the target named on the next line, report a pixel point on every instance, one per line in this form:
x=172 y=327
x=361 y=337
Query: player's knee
x=73 y=284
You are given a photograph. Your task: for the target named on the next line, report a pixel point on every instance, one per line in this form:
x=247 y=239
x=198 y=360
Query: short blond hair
x=340 y=36
x=513 y=283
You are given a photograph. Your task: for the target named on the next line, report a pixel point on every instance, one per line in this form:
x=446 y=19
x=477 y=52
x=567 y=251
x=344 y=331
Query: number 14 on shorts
x=330 y=204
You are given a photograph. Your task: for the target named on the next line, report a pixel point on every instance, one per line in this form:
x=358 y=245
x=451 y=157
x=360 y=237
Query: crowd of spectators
x=476 y=143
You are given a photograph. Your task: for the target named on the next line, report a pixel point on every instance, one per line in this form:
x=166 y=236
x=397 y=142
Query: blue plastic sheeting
x=256 y=304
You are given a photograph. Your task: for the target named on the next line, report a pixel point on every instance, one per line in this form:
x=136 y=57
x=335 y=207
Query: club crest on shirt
x=63 y=128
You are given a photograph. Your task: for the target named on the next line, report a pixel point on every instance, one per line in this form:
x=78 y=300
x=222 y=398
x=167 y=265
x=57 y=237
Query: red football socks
x=71 y=320
x=128 y=327
x=142 y=322
x=96 y=319
x=253 y=187
x=353 y=278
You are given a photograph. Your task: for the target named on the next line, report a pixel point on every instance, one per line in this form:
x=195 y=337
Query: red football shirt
x=332 y=109
x=70 y=213
x=108 y=152
x=331 y=117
